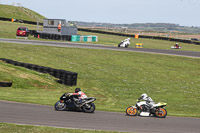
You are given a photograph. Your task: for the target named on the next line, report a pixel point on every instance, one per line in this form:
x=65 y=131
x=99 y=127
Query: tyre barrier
x=20 y=21
x=50 y=36
x=64 y=77
x=5 y=84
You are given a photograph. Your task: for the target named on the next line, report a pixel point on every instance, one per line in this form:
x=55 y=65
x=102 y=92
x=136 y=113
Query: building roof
x=56 y=19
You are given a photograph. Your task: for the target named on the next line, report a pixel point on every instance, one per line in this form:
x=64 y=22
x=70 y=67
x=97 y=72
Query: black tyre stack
x=5 y=84
x=65 y=77
x=68 y=78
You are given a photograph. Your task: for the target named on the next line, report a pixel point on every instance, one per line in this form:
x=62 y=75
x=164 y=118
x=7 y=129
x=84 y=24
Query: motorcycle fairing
x=160 y=104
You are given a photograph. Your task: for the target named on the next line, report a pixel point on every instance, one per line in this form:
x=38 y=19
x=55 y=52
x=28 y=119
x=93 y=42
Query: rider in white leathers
x=125 y=43
x=148 y=100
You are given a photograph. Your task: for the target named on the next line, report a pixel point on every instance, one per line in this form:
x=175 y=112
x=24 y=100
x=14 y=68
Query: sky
x=182 y=12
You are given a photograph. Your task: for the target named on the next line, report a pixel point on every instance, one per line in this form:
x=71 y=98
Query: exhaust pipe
x=92 y=99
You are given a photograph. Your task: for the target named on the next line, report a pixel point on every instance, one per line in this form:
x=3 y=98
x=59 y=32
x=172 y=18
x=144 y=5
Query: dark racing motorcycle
x=67 y=102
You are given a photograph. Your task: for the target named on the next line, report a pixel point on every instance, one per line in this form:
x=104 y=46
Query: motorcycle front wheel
x=89 y=108
x=60 y=106
x=131 y=111
x=161 y=113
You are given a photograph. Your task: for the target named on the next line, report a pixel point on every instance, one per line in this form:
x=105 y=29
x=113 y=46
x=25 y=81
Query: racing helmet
x=77 y=90
x=144 y=95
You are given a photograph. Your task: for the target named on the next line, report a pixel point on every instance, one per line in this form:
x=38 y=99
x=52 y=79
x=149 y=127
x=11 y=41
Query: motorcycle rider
x=176 y=45
x=148 y=100
x=78 y=93
x=128 y=39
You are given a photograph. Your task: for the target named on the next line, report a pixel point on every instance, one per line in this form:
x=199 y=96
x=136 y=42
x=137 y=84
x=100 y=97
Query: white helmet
x=144 y=95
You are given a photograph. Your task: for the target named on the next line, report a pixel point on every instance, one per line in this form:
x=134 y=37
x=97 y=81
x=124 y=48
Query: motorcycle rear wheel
x=89 y=108
x=161 y=113
x=60 y=106
x=131 y=111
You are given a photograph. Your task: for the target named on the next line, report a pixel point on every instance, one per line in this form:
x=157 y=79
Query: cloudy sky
x=182 y=12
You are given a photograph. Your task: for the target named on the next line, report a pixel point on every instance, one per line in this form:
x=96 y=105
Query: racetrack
x=99 y=46
x=22 y=113
x=12 y=112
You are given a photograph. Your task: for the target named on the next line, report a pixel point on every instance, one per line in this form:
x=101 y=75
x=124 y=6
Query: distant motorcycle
x=141 y=108
x=176 y=47
x=66 y=102
x=125 y=43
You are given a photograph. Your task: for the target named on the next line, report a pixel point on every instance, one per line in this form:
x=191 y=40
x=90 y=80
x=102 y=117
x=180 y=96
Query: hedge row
x=65 y=77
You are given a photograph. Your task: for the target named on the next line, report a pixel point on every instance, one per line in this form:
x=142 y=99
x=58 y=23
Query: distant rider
x=176 y=45
x=148 y=100
x=128 y=39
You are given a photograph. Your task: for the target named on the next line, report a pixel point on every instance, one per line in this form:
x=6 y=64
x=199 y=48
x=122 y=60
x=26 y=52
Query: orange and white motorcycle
x=143 y=109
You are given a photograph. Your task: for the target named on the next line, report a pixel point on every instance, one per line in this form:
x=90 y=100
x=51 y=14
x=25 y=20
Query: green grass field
x=12 y=128
x=115 y=78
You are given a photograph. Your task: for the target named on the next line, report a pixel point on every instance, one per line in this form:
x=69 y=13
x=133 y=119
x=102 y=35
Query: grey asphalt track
x=32 y=114
x=99 y=46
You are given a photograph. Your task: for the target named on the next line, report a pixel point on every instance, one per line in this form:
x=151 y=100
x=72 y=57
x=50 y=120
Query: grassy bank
x=17 y=12
x=12 y=128
x=115 y=78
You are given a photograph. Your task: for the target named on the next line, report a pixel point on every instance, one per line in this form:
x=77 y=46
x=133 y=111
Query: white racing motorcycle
x=174 y=47
x=125 y=43
x=142 y=108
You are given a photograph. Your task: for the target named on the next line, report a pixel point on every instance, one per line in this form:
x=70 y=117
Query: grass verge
x=13 y=128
